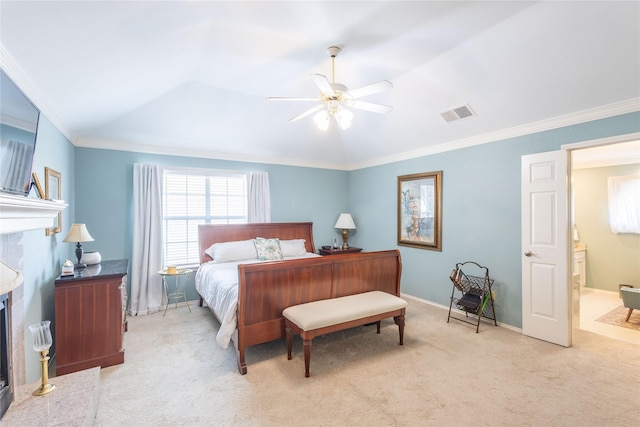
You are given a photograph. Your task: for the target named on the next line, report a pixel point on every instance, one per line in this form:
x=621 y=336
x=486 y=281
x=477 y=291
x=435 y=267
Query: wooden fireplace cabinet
x=90 y=320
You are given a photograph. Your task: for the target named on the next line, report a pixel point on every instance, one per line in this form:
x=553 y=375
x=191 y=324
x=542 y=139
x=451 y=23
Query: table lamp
x=78 y=233
x=345 y=222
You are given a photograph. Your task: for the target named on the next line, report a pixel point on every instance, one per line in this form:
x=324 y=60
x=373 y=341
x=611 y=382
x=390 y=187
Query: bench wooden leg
x=289 y=336
x=307 y=356
x=400 y=322
x=378 y=326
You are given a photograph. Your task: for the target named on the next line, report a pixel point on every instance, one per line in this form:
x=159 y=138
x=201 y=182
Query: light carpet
x=618 y=315
x=175 y=374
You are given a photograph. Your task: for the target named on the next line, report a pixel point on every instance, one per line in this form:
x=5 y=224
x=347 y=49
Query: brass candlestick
x=42 y=342
x=45 y=387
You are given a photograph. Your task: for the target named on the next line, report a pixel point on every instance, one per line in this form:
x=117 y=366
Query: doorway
x=592 y=300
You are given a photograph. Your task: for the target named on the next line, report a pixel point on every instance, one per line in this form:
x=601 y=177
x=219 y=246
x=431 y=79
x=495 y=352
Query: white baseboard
x=455 y=310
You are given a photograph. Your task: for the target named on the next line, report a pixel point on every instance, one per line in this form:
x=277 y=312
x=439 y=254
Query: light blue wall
x=43 y=254
x=105 y=192
x=480 y=212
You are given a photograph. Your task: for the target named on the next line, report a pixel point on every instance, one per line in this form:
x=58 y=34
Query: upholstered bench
x=336 y=314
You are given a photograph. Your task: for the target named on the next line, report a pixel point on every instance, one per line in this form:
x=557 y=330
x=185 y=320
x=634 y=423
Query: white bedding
x=217 y=283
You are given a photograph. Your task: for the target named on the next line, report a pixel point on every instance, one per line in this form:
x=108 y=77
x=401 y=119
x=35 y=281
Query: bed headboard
x=209 y=234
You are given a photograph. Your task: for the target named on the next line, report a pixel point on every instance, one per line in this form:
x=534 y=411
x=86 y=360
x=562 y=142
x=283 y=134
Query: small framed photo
x=420 y=210
x=36 y=183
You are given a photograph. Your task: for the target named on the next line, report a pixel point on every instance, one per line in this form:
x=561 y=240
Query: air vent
x=458 y=113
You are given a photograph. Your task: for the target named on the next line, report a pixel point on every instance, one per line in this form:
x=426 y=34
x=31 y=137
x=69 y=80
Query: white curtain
x=624 y=204
x=147 y=294
x=259 y=197
x=15 y=164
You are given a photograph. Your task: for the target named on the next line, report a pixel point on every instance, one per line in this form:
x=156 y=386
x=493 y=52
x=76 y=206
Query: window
x=624 y=204
x=198 y=197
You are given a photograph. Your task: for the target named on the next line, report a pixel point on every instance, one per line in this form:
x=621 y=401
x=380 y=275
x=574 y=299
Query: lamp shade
x=78 y=233
x=343 y=118
x=345 y=222
x=321 y=118
x=9 y=278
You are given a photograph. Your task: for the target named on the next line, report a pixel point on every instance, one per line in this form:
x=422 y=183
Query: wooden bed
x=267 y=288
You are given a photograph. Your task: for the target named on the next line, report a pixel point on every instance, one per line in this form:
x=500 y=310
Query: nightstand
x=179 y=291
x=339 y=251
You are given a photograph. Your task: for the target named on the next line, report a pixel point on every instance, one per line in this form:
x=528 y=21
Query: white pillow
x=232 y=251
x=268 y=249
x=293 y=247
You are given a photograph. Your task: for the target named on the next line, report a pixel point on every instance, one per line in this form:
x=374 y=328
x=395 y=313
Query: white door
x=546 y=296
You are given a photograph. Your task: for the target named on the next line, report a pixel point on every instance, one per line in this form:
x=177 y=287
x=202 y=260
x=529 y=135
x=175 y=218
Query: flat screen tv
x=18 y=130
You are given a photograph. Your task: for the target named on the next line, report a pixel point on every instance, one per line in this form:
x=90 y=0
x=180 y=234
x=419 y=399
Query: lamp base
x=345 y=239
x=79 y=265
x=44 y=389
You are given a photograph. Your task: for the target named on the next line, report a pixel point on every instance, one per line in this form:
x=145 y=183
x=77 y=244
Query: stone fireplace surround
x=11 y=253
x=19 y=214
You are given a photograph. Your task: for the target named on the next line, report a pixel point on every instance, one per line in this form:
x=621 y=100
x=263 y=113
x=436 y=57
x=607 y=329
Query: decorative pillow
x=232 y=251
x=268 y=249
x=293 y=247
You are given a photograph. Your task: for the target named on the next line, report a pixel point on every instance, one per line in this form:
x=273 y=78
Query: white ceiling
x=192 y=77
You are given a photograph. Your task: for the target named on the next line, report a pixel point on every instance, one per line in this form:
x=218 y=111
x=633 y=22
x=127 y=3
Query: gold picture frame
x=53 y=189
x=420 y=210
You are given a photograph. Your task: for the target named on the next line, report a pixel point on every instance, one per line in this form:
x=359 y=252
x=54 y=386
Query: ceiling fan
x=334 y=97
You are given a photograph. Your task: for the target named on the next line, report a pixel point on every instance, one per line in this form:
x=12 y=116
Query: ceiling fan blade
x=323 y=84
x=307 y=113
x=286 y=98
x=368 y=106
x=370 y=89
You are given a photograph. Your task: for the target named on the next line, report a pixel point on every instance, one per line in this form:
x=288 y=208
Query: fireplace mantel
x=19 y=213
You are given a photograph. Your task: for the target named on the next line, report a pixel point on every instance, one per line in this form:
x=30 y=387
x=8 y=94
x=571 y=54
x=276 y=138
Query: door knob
x=528 y=253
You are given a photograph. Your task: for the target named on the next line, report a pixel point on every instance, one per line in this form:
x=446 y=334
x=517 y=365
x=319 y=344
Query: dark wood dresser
x=90 y=317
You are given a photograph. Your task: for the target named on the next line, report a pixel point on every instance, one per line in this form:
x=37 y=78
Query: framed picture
x=53 y=191
x=420 y=210
x=36 y=183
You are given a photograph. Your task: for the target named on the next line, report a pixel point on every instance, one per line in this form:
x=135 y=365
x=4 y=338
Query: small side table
x=339 y=251
x=179 y=292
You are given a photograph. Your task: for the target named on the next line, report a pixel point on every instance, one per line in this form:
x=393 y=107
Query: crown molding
x=611 y=110
x=606 y=111
x=104 y=144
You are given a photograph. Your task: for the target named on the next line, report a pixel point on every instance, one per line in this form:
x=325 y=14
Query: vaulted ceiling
x=192 y=77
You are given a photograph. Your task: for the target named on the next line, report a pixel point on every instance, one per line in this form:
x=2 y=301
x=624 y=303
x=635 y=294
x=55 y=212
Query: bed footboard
x=266 y=289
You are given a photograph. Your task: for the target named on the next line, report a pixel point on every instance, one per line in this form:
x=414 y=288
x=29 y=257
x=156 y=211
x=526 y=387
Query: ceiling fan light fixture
x=343 y=118
x=321 y=119
x=334 y=96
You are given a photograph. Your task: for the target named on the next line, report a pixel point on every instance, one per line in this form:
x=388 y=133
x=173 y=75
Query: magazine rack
x=472 y=294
